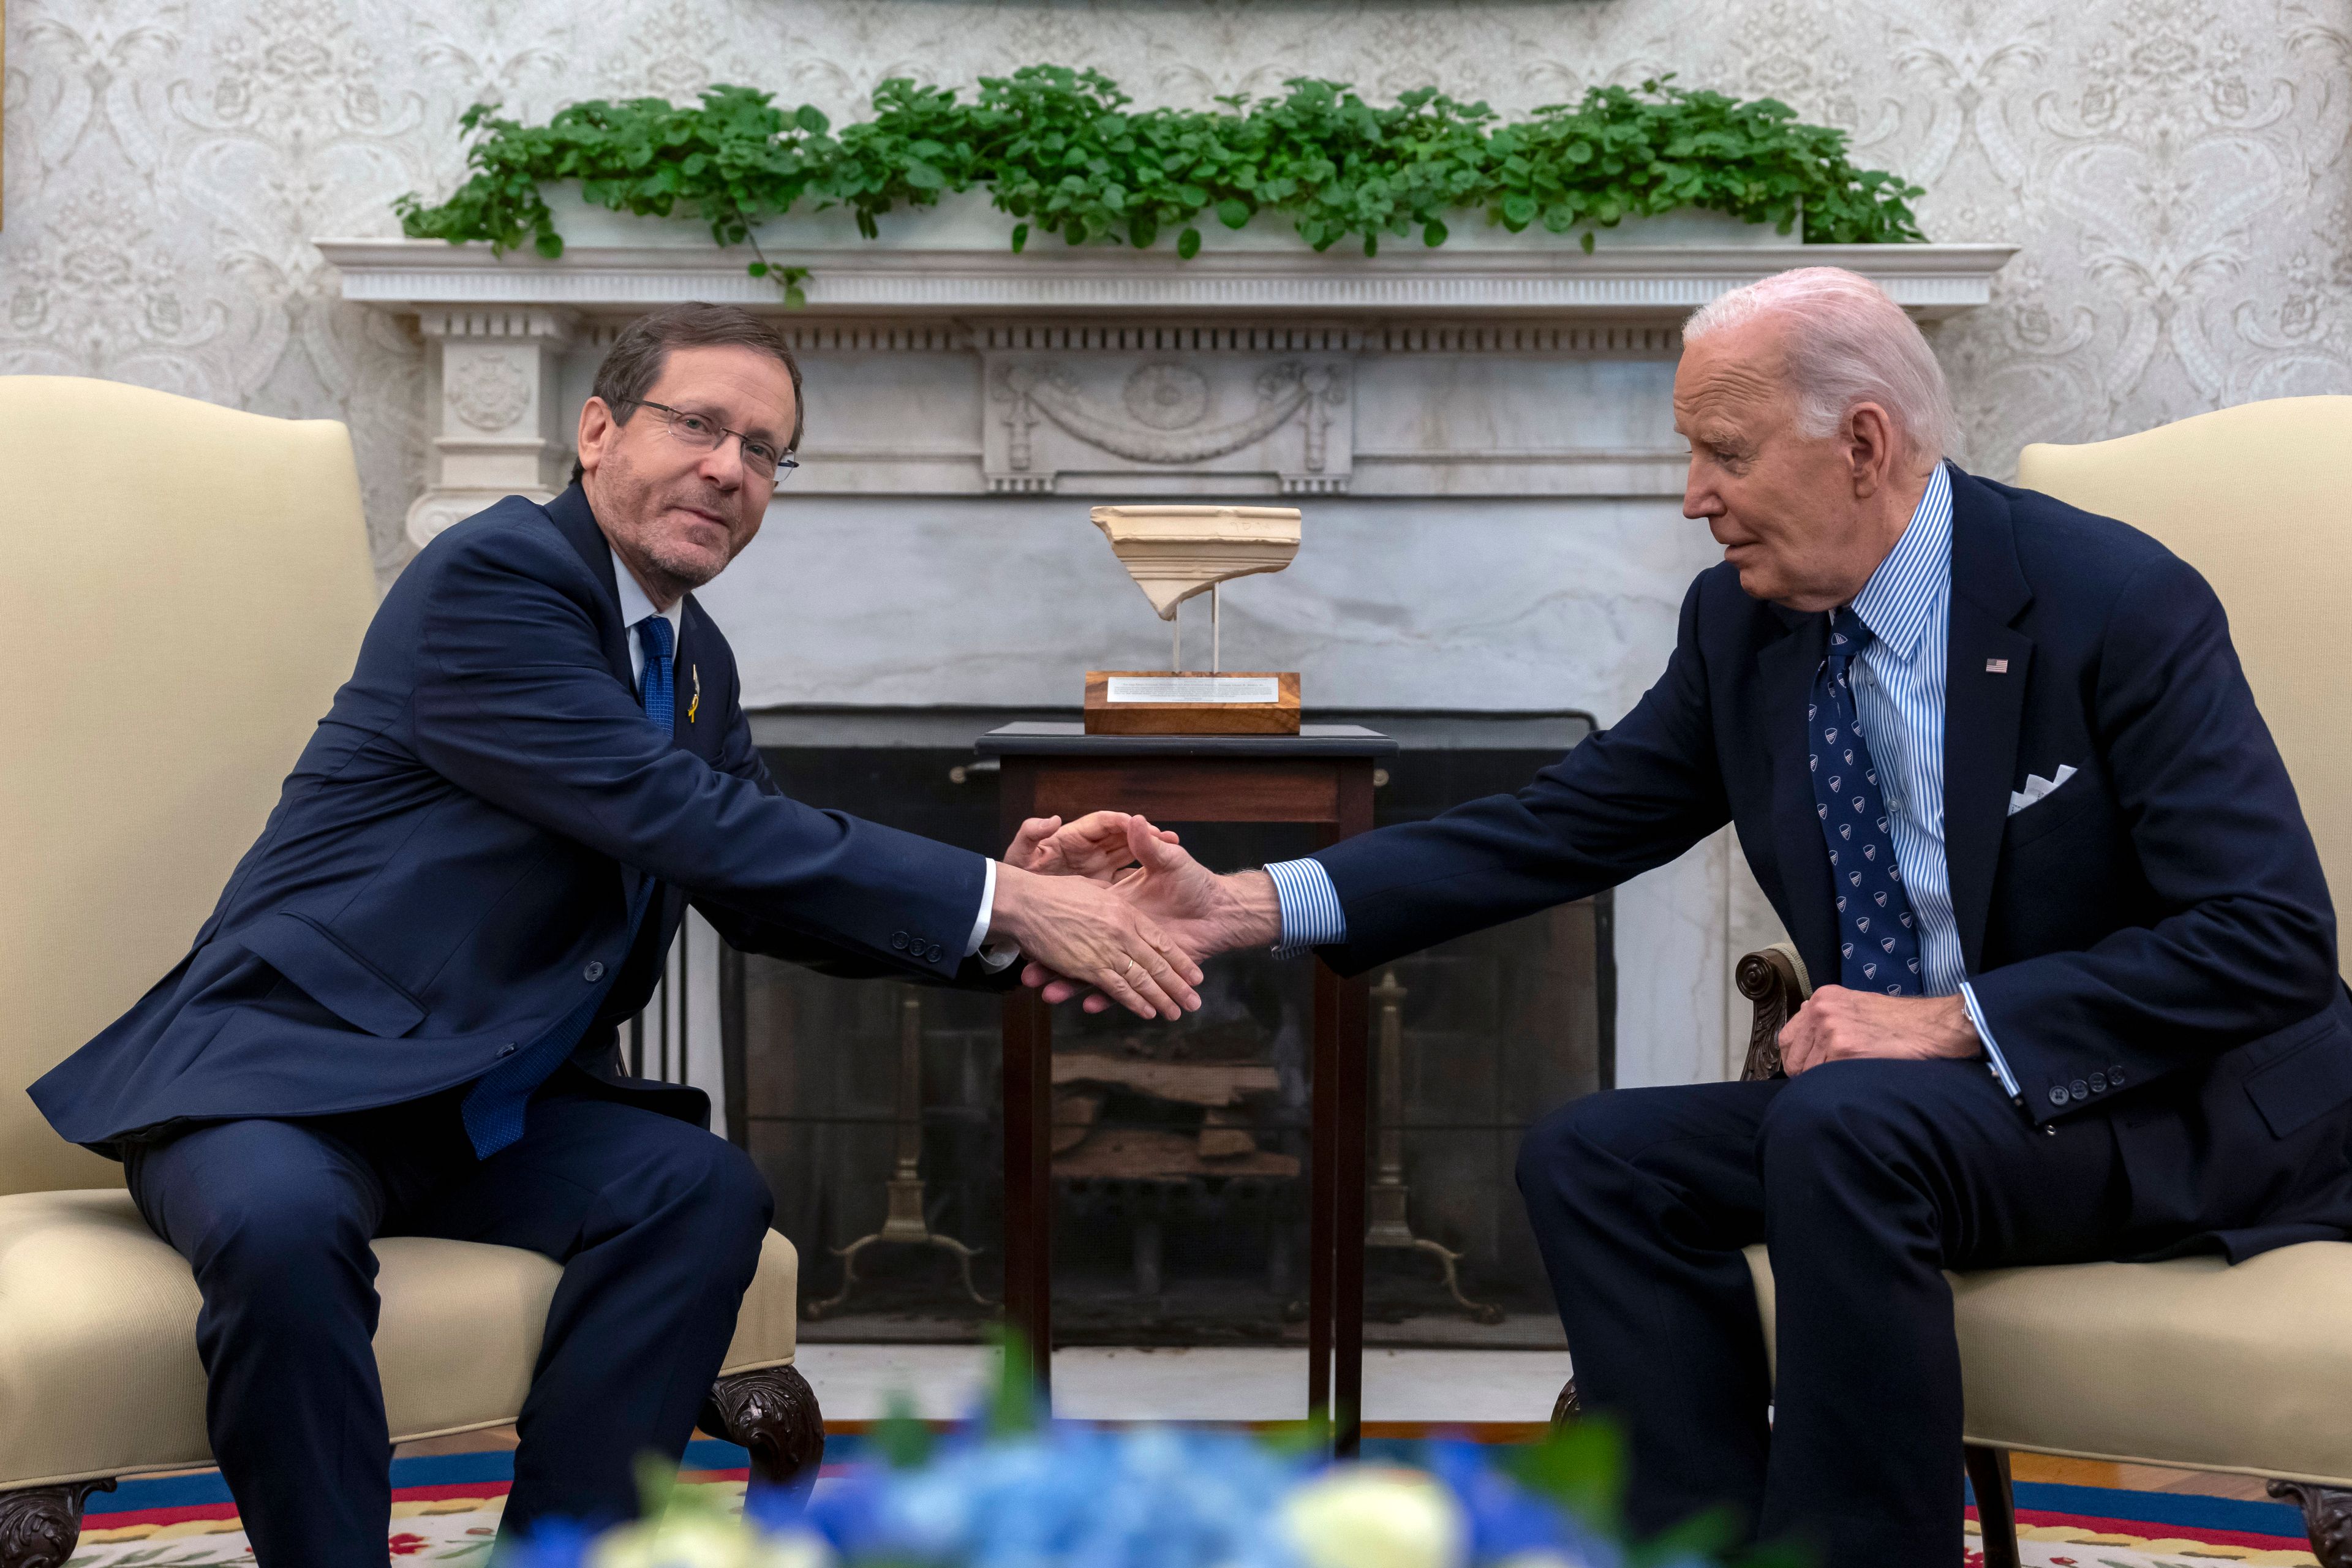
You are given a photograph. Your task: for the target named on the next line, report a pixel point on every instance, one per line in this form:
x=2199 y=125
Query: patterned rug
x=2102 y=1527
x=446 y=1510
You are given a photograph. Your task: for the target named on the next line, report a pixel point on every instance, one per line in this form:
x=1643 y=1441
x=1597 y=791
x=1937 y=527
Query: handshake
x=1114 y=908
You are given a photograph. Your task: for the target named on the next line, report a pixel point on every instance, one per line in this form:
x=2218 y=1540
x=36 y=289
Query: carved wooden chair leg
x=1567 y=1407
x=2326 y=1519
x=772 y=1412
x=40 y=1526
x=1996 y=1503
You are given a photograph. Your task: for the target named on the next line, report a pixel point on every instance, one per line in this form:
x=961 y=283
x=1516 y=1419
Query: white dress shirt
x=1907 y=606
x=635 y=607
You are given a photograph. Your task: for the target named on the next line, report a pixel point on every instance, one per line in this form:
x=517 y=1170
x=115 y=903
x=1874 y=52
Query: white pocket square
x=2036 y=786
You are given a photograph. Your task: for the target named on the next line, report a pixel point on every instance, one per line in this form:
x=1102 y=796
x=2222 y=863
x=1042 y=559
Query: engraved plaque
x=1194 y=688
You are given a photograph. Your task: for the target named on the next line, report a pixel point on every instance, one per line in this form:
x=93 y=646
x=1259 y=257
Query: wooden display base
x=1159 y=702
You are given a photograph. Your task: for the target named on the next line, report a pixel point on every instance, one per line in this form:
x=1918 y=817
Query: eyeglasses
x=706 y=433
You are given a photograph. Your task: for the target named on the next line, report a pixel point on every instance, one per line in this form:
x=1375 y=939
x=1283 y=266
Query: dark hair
x=635 y=361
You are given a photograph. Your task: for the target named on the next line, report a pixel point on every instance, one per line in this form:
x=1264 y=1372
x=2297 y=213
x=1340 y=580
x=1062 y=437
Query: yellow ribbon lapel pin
x=695 y=701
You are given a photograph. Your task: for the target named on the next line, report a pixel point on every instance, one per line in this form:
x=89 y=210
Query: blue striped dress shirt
x=1907 y=606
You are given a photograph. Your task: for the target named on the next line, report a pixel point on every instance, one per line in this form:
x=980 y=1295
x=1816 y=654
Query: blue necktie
x=655 y=688
x=1878 y=941
x=493 y=1110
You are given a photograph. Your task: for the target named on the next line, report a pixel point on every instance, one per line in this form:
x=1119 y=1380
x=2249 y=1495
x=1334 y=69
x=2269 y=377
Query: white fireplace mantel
x=1650 y=283
x=940 y=362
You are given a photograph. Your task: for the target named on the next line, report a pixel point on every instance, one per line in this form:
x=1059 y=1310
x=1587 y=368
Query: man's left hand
x=1095 y=847
x=1839 y=1025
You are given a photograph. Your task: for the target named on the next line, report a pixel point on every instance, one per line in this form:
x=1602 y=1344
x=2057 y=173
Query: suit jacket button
x=2080 y=1090
x=593 y=973
x=898 y=941
x=2098 y=1083
x=934 y=954
x=506 y=1050
x=2115 y=1076
x=2057 y=1094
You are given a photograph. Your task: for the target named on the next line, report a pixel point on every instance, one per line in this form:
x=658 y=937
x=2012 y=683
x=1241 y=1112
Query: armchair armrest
x=1774 y=979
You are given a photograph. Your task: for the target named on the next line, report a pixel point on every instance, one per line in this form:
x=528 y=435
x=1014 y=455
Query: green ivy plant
x=1065 y=151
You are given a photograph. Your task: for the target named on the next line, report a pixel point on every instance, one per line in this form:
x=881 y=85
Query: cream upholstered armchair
x=183 y=588
x=2189 y=1362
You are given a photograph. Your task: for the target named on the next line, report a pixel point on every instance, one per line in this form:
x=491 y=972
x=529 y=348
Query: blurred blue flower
x=1151 y=1497
x=1066 y=1495
x=845 y=1512
x=1506 y=1520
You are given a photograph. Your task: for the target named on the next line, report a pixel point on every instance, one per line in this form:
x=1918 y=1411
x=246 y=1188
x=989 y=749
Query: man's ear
x=1870 y=448
x=597 y=429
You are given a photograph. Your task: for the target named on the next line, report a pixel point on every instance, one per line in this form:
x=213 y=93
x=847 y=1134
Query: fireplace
x=1180 y=1161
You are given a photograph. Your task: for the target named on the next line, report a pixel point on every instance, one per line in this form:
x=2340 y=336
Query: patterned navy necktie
x=654 y=687
x=493 y=1109
x=1878 y=940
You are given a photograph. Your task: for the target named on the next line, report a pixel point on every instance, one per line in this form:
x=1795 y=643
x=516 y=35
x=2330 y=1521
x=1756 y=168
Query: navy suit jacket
x=2154 y=938
x=452 y=861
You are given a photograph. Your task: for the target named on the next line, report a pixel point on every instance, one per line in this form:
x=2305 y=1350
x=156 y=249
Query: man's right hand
x=1203 y=913
x=1082 y=929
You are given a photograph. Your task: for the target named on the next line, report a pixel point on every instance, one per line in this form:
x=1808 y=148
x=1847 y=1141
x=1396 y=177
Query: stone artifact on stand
x=1175 y=552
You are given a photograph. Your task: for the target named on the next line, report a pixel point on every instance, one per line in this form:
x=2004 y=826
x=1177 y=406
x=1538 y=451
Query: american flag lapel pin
x=1996 y=666
x=695 y=701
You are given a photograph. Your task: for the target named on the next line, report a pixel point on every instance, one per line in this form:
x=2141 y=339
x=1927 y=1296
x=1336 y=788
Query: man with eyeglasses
x=402 y=1017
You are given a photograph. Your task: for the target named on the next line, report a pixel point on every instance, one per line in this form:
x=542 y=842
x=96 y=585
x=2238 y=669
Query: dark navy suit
x=449 y=869
x=2152 y=946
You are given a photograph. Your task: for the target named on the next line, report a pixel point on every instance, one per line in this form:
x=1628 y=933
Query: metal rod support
x=1388 y=997
x=1216 y=630
x=910 y=1085
x=904 y=1219
x=1176 y=648
x=1390 y=1200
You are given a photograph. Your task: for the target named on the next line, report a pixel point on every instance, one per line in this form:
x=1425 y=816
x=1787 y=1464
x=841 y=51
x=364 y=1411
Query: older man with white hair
x=1994 y=763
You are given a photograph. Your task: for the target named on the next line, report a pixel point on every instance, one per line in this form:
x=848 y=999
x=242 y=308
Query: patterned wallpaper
x=2175 y=170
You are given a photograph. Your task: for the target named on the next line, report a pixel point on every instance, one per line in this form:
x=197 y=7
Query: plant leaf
x=1069 y=150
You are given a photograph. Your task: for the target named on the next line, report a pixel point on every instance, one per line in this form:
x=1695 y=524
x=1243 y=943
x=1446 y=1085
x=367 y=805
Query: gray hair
x=1847 y=343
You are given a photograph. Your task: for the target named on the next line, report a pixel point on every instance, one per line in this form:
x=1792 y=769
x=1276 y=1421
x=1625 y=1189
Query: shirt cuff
x=987 y=907
x=1993 y=1058
x=1311 y=916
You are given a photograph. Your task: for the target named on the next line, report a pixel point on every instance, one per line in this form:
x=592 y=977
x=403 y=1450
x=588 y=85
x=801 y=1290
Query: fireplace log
x=1152 y=1153
x=1074 y=1119
x=1187 y=1083
x=1226 y=1135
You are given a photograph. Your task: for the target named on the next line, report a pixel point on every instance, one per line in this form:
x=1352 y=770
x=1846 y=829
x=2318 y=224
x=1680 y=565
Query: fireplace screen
x=1179 y=1150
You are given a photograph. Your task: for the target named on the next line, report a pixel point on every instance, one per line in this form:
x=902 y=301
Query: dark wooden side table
x=1321 y=777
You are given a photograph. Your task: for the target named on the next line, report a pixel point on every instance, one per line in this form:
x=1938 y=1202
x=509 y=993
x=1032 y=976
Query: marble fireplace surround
x=1479 y=436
